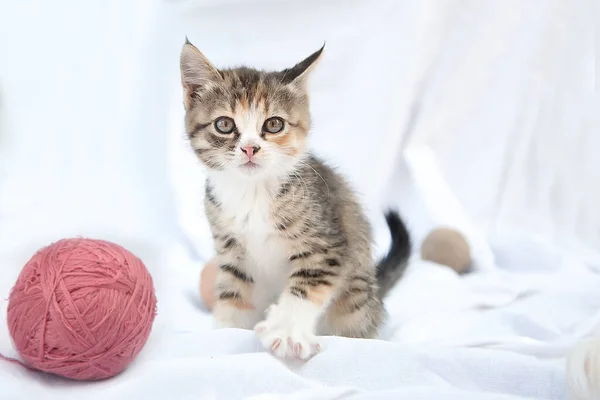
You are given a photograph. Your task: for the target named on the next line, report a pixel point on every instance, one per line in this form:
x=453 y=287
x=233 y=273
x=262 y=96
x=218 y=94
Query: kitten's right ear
x=196 y=70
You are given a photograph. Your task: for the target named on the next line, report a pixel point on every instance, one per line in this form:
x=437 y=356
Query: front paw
x=287 y=336
x=226 y=316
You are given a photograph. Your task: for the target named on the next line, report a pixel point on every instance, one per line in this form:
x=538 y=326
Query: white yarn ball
x=583 y=370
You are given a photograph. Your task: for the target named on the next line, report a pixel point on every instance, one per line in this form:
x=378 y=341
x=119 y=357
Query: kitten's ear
x=299 y=72
x=196 y=70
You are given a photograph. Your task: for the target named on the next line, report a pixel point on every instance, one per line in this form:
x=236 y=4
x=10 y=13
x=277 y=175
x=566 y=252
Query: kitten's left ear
x=299 y=72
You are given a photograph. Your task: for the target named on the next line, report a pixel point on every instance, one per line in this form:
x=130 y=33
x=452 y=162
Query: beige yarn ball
x=207 y=284
x=449 y=247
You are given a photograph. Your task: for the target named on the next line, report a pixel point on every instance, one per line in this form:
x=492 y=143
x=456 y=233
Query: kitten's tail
x=393 y=265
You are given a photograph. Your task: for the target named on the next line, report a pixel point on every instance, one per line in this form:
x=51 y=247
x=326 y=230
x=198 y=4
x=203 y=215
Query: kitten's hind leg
x=357 y=312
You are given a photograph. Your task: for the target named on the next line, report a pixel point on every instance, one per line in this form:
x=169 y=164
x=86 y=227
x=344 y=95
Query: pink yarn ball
x=82 y=309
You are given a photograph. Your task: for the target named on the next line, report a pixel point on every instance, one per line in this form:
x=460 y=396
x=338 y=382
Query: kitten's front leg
x=290 y=326
x=233 y=304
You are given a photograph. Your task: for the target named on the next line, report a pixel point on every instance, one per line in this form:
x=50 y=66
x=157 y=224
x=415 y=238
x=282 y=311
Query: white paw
x=231 y=317
x=286 y=335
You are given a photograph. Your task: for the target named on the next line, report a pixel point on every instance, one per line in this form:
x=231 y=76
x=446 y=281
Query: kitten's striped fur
x=293 y=245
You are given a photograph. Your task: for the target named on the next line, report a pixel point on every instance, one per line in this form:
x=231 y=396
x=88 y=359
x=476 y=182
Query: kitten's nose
x=250 y=150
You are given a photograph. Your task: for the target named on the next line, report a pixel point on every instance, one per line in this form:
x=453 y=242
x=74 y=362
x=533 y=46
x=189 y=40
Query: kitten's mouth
x=249 y=165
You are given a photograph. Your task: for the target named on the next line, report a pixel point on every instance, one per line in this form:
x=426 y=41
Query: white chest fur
x=246 y=205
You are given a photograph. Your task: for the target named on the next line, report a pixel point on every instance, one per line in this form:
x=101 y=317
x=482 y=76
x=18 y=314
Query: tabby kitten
x=293 y=245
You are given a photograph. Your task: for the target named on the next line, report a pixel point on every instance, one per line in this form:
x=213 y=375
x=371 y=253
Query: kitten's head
x=243 y=121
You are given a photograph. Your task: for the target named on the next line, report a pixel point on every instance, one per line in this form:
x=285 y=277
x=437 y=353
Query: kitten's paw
x=286 y=336
x=231 y=317
x=221 y=322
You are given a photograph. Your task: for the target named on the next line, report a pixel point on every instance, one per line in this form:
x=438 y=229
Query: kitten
x=293 y=245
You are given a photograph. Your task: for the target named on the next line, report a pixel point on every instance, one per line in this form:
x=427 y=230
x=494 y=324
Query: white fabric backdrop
x=484 y=120
x=507 y=112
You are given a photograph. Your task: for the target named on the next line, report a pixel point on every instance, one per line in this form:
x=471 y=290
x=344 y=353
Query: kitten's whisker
x=291 y=175
x=304 y=163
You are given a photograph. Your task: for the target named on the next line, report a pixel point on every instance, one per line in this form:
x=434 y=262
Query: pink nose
x=250 y=150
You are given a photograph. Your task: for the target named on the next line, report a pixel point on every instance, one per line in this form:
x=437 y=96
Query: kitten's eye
x=273 y=125
x=224 y=125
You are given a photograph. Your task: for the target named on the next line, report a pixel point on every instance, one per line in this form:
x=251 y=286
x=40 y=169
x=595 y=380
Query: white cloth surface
x=452 y=112
x=483 y=336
